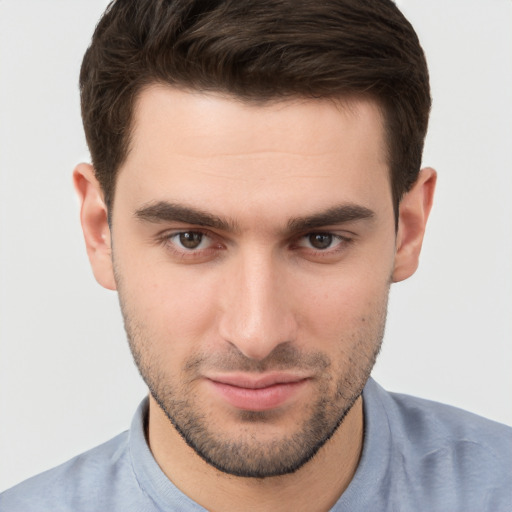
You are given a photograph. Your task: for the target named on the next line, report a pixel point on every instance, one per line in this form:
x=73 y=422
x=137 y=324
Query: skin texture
x=255 y=243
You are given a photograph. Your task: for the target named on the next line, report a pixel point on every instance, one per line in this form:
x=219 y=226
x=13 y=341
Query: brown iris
x=191 y=239
x=320 y=240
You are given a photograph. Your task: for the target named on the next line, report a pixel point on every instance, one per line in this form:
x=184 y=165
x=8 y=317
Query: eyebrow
x=163 y=211
x=336 y=215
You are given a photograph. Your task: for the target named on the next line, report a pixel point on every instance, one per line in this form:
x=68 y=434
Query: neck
x=316 y=486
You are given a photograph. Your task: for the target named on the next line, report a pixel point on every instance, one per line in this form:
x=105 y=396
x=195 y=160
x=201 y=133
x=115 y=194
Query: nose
x=257 y=313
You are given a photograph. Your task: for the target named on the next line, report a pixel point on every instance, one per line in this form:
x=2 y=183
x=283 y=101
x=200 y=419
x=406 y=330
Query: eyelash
x=166 y=240
x=190 y=254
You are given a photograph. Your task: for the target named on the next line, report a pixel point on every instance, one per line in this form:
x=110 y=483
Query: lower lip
x=261 y=399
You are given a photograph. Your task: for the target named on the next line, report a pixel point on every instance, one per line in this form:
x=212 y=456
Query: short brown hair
x=256 y=50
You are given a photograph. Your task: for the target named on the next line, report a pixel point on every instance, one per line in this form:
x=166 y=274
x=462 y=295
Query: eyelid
x=329 y=255
x=336 y=239
x=169 y=233
x=335 y=233
x=164 y=238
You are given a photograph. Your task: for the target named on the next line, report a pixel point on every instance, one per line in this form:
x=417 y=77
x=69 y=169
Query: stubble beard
x=247 y=456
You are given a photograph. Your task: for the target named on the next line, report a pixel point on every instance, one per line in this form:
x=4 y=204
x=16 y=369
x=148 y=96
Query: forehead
x=195 y=116
x=197 y=147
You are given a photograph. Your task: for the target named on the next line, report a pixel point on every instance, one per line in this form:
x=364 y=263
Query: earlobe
x=414 y=211
x=94 y=220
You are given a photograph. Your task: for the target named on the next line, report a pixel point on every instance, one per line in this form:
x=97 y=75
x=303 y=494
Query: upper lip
x=257 y=381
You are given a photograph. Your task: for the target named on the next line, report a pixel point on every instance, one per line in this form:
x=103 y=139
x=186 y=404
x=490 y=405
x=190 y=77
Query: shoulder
x=77 y=485
x=441 y=452
x=432 y=424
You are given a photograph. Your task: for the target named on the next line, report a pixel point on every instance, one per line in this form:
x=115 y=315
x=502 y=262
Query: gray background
x=67 y=381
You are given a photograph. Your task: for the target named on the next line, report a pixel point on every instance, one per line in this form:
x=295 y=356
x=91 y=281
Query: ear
x=414 y=210
x=94 y=220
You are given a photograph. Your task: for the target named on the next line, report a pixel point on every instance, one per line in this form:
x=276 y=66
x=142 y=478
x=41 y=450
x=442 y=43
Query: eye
x=190 y=240
x=320 y=241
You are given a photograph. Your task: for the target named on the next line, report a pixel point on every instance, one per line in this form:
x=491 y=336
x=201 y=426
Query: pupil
x=320 y=240
x=190 y=240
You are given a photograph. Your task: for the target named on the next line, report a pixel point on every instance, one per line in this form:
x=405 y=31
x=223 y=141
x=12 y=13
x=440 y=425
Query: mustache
x=284 y=357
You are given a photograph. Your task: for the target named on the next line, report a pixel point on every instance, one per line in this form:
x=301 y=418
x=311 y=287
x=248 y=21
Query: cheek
x=174 y=308
x=345 y=304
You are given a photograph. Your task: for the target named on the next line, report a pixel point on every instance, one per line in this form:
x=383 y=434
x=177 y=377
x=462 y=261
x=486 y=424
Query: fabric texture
x=417 y=456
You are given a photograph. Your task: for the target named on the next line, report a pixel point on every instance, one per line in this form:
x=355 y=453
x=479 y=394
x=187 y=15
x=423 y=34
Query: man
x=255 y=190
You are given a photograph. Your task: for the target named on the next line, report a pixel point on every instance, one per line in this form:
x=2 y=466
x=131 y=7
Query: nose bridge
x=257 y=317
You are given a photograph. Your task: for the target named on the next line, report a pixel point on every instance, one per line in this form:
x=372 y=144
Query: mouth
x=257 y=392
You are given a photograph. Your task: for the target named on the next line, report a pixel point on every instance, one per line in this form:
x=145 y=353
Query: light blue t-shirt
x=417 y=456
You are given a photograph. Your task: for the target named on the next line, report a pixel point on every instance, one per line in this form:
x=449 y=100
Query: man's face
x=253 y=249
